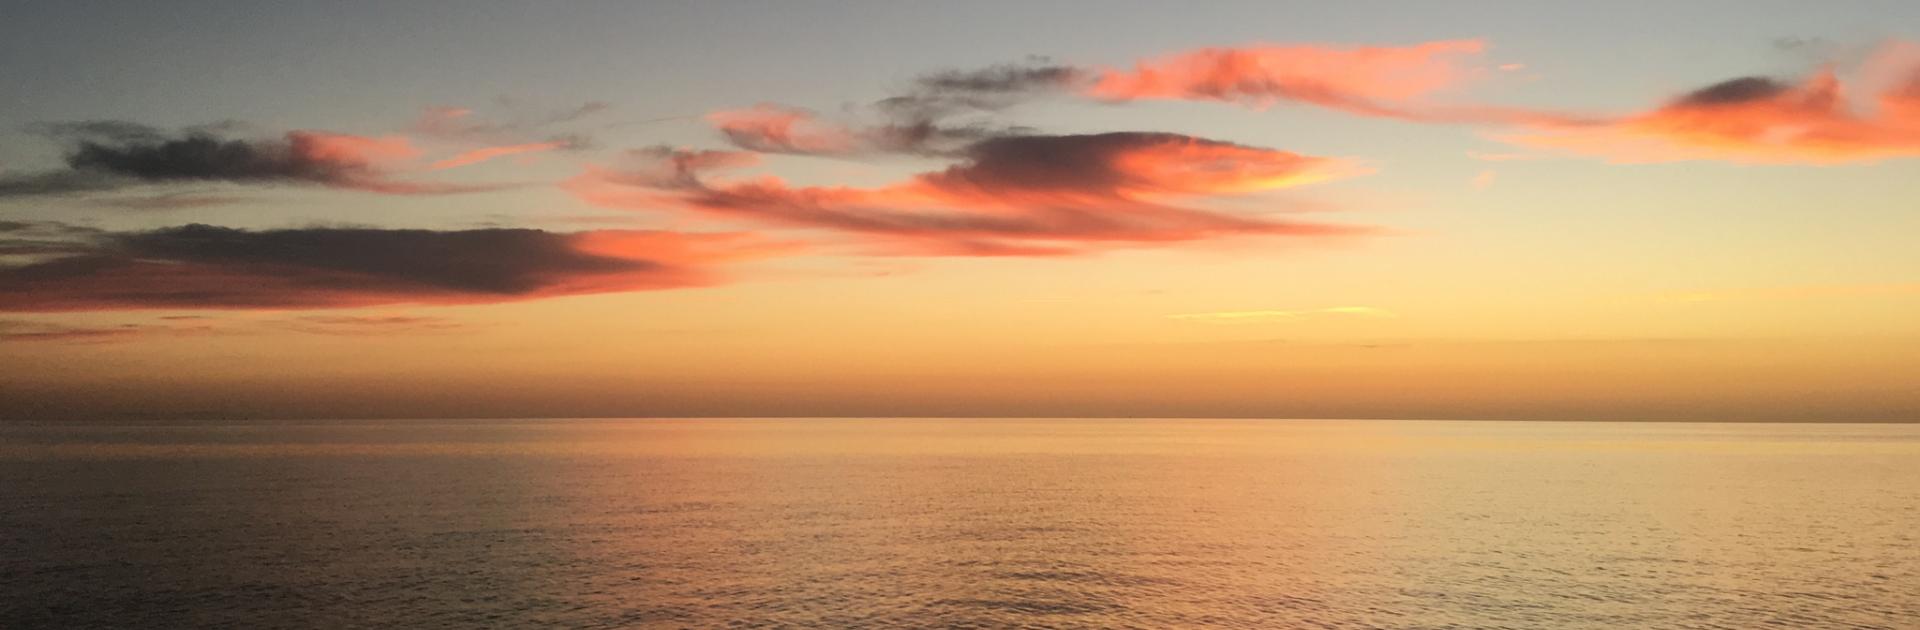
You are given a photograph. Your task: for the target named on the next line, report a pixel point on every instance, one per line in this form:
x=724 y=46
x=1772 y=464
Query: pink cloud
x=1323 y=75
x=1763 y=120
x=1022 y=195
x=350 y=151
x=483 y=154
x=779 y=129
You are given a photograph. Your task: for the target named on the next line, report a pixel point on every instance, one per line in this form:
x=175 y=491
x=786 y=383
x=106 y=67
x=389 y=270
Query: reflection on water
x=1058 y=523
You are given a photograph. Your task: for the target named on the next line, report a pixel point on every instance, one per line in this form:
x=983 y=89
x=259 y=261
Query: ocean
x=959 y=523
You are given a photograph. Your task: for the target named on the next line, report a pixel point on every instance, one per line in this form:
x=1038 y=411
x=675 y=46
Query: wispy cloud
x=523 y=132
x=32 y=331
x=771 y=128
x=174 y=326
x=520 y=124
x=482 y=154
x=371 y=325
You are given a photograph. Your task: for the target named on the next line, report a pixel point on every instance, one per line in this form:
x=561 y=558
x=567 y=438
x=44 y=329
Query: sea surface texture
x=960 y=523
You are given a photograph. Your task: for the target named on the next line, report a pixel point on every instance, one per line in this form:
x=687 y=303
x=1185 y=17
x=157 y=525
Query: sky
x=1629 y=211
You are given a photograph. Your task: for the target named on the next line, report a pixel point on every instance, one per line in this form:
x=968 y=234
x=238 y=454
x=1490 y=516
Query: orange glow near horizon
x=1427 y=225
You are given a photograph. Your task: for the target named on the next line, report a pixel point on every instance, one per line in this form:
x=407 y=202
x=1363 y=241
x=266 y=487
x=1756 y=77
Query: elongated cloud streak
x=369 y=325
x=1023 y=195
x=463 y=125
x=32 y=331
x=1264 y=75
x=1377 y=81
x=1764 y=120
x=110 y=155
x=27 y=331
x=483 y=154
x=203 y=266
x=918 y=129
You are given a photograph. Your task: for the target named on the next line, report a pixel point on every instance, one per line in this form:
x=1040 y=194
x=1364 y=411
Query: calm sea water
x=961 y=523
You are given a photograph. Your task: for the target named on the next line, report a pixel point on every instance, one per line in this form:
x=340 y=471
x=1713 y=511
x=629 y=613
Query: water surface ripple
x=960 y=523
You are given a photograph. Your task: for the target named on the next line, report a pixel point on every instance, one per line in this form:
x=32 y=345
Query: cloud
x=20 y=330
x=941 y=113
x=29 y=239
x=771 y=128
x=915 y=129
x=1766 y=120
x=476 y=156
x=977 y=86
x=1017 y=195
x=943 y=93
x=1338 y=77
x=1267 y=316
x=203 y=266
x=170 y=201
x=522 y=133
x=369 y=325
x=29 y=330
x=1484 y=180
x=1377 y=81
x=461 y=124
x=937 y=114
x=1397 y=82
x=1749 y=119
x=112 y=155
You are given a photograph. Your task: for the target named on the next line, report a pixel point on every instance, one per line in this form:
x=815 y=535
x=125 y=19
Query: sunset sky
x=1694 y=211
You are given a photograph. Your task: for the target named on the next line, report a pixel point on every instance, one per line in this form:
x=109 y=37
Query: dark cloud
x=1001 y=79
x=1735 y=91
x=106 y=155
x=58 y=183
x=505 y=261
x=109 y=130
x=1078 y=162
x=938 y=114
x=940 y=95
x=203 y=266
x=170 y=201
x=12 y=229
x=203 y=157
x=31 y=239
